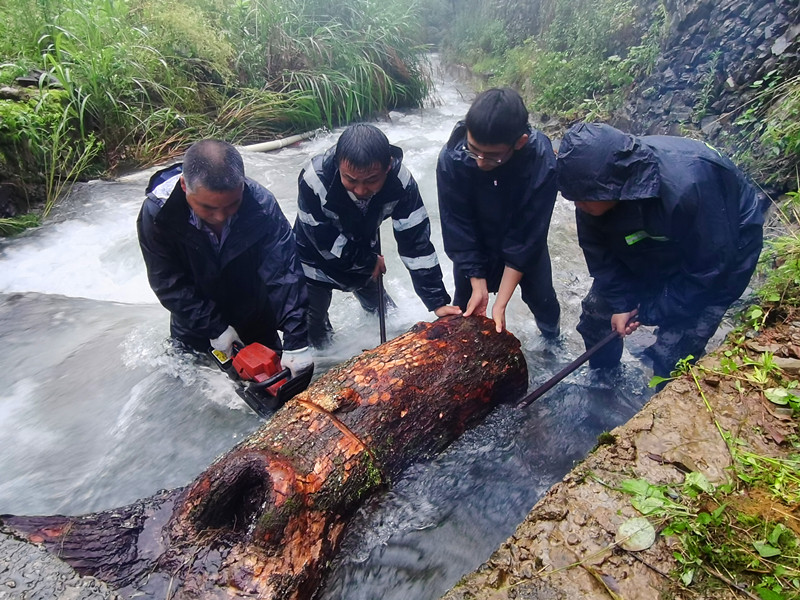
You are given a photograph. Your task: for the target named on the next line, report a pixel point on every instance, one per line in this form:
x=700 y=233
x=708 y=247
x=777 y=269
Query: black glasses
x=487 y=158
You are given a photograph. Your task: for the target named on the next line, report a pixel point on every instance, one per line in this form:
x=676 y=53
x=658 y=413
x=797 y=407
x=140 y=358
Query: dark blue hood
x=597 y=162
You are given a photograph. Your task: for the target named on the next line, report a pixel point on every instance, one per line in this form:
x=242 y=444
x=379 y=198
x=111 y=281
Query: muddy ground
x=565 y=548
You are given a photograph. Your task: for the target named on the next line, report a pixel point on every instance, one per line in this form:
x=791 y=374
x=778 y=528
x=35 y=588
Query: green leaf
x=687 y=576
x=767 y=594
x=636 y=534
x=637 y=487
x=657 y=380
x=777 y=395
x=775 y=534
x=765 y=550
x=649 y=505
x=699 y=481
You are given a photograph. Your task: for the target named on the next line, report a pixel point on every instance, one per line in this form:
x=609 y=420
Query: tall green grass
x=138 y=80
x=770 y=130
x=580 y=56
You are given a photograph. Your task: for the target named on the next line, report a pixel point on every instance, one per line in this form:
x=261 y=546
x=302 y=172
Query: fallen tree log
x=265 y=519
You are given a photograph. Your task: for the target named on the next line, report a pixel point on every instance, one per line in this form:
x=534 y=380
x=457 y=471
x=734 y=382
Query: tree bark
x=267 y=517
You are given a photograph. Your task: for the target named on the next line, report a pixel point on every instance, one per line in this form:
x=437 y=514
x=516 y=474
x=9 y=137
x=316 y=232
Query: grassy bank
x=123 y=83
x=743 y=534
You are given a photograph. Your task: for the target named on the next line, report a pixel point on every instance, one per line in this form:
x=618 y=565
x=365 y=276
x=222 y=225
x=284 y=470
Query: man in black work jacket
x=220 y=256
x=497 y=188
x=344 y=195
x=671 y=231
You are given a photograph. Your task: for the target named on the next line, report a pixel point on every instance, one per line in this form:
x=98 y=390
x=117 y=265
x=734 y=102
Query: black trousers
x=320 y=330
x=673 y=342
x=536 y=287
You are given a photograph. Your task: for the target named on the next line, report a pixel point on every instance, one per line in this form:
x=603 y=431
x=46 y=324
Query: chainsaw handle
x=283 y=374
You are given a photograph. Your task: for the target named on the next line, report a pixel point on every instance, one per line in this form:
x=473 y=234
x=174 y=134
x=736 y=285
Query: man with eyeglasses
x=497 y=189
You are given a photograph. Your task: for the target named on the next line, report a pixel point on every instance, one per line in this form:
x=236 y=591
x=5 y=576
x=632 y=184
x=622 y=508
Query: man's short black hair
x=497 y=116
x=362 y=145
x=214 y=165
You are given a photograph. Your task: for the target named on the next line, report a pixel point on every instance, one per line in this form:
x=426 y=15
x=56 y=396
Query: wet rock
x=789 y=365
x=551 y=513
x=10 y=93
x=28 y=572
x=682 y=386
x=783 y=42
x=742 y=42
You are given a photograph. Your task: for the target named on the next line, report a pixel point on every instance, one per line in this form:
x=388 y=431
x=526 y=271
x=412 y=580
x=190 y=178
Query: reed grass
x=142 y=79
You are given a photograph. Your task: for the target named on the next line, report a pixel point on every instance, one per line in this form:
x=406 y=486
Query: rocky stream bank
x=569 y=546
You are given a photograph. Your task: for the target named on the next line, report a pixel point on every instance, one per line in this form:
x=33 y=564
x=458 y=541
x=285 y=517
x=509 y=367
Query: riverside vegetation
x=124 y=83
x=593 y=59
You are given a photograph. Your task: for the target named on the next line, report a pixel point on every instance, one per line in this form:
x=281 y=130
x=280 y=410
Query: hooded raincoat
x=686 y=233
x=253 y=282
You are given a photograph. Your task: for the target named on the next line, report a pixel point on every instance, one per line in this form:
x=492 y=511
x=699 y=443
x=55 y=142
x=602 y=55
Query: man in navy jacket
x=220 y=256
x=497 y=188
x=344 y=195
x=671 y=232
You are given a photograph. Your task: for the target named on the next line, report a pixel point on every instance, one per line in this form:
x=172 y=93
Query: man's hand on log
x=446 y=310
x=479 y=300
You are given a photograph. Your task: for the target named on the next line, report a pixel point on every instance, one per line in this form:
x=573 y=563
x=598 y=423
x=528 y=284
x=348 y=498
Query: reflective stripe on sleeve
x=338 y=246
x=414 y=219
x=421 y=262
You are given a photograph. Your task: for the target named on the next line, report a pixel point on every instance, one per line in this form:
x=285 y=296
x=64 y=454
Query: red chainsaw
x=264 y=385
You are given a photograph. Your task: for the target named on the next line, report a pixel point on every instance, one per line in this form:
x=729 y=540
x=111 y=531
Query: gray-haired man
x=220 y=256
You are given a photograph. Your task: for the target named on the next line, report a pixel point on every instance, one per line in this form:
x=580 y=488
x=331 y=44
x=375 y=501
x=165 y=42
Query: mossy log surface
x=266 y=518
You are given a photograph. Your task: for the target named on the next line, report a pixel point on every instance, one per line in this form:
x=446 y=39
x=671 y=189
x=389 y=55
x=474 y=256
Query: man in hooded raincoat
x=671 y=231
x=220 y=256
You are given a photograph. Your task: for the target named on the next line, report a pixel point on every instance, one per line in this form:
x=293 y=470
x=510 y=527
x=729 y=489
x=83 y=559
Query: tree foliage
x=565 y=56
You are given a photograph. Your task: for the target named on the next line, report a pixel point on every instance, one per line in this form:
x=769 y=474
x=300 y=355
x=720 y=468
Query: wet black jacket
x=337 y=244
x=686 y=233
x=500 y=217
x=254 y=284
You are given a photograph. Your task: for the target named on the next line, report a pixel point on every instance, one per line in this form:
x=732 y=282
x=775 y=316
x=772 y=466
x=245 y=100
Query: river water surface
x=97 y=410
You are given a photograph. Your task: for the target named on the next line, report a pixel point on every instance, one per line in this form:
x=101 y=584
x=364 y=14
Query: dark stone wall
x=714 y=54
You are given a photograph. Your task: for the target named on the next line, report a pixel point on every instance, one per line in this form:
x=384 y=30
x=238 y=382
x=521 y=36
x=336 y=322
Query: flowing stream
x=97 y=410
